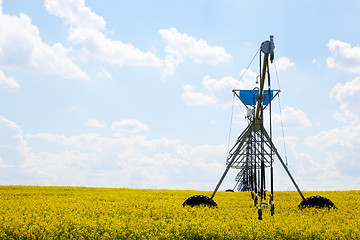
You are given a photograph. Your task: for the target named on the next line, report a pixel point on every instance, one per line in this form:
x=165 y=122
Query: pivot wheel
x=317 y=202
x=199 y=200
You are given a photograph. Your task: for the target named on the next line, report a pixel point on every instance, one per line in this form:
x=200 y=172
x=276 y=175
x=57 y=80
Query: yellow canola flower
x=29 y=212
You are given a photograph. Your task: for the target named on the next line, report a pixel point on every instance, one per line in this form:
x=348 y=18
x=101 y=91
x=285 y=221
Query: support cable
x=247 y=68
x=231 y=119
x=281 y=120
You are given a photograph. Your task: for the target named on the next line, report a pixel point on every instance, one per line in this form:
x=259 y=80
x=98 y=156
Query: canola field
x=29 y=212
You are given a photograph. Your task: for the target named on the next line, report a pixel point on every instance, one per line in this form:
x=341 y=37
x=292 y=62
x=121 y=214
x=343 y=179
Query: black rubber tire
x=199 y=200
x=229 y=190
x=317 y=202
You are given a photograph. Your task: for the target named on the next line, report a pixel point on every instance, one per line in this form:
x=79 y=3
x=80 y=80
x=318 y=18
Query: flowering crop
x=28 y=212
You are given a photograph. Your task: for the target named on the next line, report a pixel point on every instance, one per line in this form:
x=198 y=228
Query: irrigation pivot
x=254 y=152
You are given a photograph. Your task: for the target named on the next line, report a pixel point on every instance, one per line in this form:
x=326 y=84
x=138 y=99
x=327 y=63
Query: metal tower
x=254 y=152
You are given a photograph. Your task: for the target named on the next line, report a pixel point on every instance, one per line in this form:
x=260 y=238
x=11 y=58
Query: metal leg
x=260 y=212
x=283 y=164
x=241 y=141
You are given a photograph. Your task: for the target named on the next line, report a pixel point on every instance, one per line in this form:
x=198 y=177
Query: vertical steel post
x=262 y=81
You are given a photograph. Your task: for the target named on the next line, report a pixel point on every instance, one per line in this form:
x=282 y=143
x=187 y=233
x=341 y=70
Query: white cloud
x=348 y=95
x=348 y=136
x=294 y=118
x=96 y=46
x=21 y=48
x=103 y=73
x=218 y=92
x=8 y=81
x=95 y=124
x=86 y=141
x=14 y=150
x=129 y=126
x=63 y=168
x=75 y=13
x=343 y=56
x=12 y=140
x=283 y=64
x=87 y=30
x=218 y=88
x=180 y=46
x=95 y=160
x=317 y=171
x=337 y=138
x=247 y=81
x=291 y=143
x=341 y=146
x=130 y=162
x=193 y=98
x=140 y=162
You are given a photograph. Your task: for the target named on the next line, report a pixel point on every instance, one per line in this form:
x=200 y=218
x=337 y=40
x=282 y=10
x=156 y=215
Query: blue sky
x=138 y=93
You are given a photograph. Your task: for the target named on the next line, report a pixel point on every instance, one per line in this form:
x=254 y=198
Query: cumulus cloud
x=348 y=95
x=79 y=141
x=117 y=161
x=218 y=92
x=181 y=46
x=343 y=56
x=247 y=81
x=337 y=138
x=12 y=142
x=14 y=150
x=348 y=136
x=293 y=118
x=67 y=167
x=87 y=30
x=95 y=124
x=319 y=171
x=340 y=149
x=193 y=98
x=8 y=81
x=129 y=126
x=142 y=162
x=96 y=46
x=22 y=49
x=283 y=64
x=131 y=161
x=75 y=13
x=341 y=145
x=104 y=74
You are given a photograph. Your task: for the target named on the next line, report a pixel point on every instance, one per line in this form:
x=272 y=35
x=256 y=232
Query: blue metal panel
x=248 y=97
